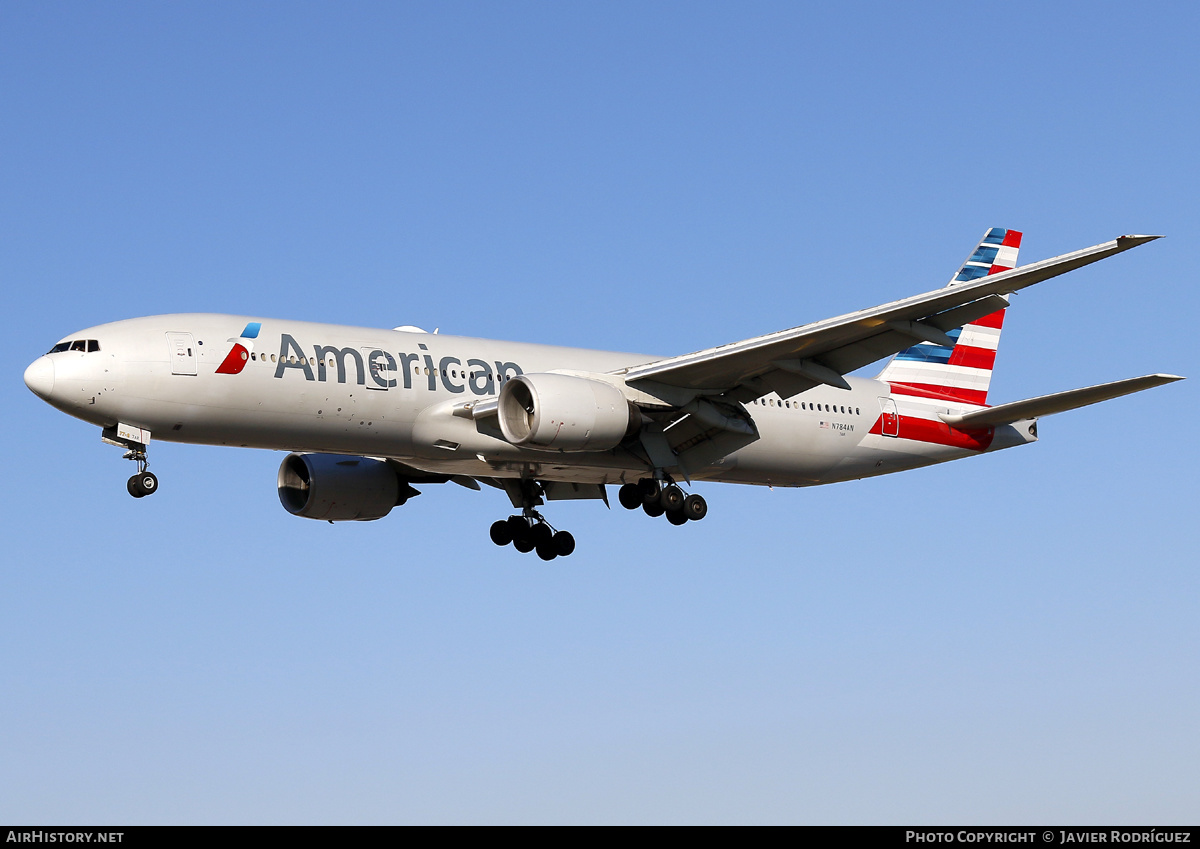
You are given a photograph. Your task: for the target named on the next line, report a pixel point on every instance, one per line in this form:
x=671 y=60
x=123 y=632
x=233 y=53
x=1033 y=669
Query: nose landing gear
x=655 y=499
x=134 y=440
x=144 y=482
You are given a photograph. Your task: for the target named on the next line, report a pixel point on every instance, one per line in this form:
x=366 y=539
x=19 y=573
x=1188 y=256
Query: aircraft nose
x=39 y=377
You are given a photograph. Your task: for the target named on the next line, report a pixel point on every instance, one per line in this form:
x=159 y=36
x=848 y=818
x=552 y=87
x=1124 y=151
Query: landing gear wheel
x=671 y=499
x=500 y=533
x=695 y=507
x=529 y=531
x=653 y=508
x=142 y=484
x=541 y=535
x=564 y=543
x=677 y=517
x=522 y=534
x=630 y=496
x=650 y=489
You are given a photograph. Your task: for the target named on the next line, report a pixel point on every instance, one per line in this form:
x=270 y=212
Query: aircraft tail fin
x=962 y=372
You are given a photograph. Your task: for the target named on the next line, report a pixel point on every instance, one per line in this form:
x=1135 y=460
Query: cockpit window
x=86 y=345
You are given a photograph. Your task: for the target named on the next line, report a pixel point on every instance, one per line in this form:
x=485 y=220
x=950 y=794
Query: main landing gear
x=144 y=482
x=655 y=499
x=528 y=531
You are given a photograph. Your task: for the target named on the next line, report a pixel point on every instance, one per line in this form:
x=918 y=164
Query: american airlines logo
x=239 y=354
x=383 y=369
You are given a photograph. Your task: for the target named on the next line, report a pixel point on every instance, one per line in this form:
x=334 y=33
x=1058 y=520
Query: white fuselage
x=384 y=393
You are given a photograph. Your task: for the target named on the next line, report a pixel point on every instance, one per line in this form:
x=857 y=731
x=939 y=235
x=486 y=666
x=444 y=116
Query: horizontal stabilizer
x=1059 y=402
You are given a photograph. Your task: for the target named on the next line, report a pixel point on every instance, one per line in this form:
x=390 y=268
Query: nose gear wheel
x=144 y=482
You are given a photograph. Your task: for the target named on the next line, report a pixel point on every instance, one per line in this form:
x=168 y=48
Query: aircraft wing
x=1059 y=402
x=792 y=361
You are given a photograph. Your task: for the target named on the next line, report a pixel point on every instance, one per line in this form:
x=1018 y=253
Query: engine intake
x=337 y=488
x=561 y=412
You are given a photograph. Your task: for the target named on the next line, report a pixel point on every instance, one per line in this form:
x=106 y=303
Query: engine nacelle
x=337 y=488
x=561 y=412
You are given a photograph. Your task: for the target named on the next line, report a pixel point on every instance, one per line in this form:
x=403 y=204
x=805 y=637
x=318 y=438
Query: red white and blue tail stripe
x=964 y=372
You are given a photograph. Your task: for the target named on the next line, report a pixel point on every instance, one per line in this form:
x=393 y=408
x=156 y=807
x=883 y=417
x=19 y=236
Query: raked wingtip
x=1132 y=241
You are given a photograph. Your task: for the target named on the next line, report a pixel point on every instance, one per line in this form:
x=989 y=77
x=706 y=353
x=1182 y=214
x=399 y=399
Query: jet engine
x=560 y=412
x=336 y=488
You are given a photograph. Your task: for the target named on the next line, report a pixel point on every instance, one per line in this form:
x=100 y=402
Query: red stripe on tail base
x=938 y=433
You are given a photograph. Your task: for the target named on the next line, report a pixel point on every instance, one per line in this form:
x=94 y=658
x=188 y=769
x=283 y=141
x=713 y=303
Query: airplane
x=368 y=414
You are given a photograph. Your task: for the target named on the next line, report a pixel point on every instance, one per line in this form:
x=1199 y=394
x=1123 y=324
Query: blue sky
x=1006 y=639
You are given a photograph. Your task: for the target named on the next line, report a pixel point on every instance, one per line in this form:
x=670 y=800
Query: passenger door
x=891 y=419
x=182 y=352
